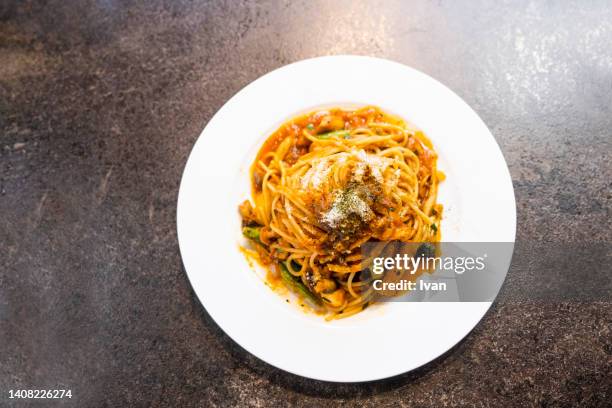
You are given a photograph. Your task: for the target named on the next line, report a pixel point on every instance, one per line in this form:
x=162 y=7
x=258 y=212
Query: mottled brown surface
x=101 y=102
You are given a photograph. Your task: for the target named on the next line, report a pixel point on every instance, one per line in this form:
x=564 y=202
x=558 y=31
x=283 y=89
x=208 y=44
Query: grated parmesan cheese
x=346 y=203
x=376 y=164
x=319 y=172
x=316 y=174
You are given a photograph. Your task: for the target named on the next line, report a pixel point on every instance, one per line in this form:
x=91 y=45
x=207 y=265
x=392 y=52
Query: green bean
x=251 y=233
x=294 y=284
x=339 y=133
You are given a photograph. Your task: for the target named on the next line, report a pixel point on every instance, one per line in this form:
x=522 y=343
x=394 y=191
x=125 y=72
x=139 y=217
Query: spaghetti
x=327 y=182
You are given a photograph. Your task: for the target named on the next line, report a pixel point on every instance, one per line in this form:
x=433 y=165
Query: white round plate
x=386 y=339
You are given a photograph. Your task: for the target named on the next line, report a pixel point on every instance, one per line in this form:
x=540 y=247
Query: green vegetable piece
x=434 y=227
x=310 y=126
x=296 y=285
x=337 y=133
x=251 y=233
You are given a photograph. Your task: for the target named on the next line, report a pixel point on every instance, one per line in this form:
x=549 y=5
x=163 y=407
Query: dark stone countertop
x=101 y=102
